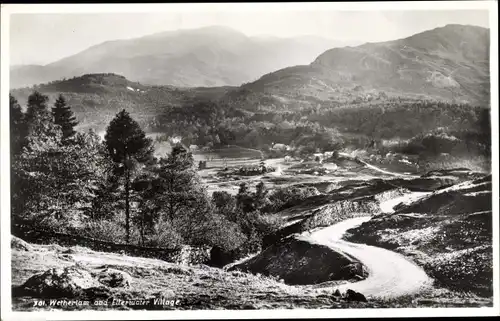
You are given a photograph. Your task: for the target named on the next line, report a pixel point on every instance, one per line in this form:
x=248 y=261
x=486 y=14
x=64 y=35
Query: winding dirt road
x=380 y=170
x=390 y=274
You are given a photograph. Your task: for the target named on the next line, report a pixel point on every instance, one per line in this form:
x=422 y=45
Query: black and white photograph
x=249 y=160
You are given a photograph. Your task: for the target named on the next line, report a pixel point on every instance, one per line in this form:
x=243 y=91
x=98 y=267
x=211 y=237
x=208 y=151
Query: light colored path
x=387 y=206
x=375 y=168
x=390 y=274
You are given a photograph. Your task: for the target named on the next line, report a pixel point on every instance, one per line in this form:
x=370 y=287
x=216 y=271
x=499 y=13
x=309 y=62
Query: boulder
x=114 y=278
x=166 y=294
x=67 y=282
x=352 y=295
x=100 y=292
x=354 y=270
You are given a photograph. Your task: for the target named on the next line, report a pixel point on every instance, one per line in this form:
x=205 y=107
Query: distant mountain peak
x=201 y=57
x=208 y=30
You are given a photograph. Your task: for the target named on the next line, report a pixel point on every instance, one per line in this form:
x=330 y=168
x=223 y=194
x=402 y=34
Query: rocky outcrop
x=74 y=282
x=68 y=282
x=300 y=262
x=468 y=197
x=424 y=184
x=460 y=173
x=352 y=295
x=114 y=278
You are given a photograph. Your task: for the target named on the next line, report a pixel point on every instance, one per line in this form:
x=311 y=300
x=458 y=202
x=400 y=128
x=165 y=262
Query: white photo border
x=9 y=9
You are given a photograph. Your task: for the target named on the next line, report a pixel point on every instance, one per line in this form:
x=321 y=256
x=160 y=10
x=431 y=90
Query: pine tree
x=244 y=198
x=37 y=108
x=54 y=181
x=180 y=159
x=261 y=198
x=127 y=145
x=63 y=116
x=173 y=193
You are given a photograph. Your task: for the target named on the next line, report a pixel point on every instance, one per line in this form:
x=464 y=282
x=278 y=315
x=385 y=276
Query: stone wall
x=183 y=255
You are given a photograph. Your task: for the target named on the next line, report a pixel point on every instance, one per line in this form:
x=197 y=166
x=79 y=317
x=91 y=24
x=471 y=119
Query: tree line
x=308 y=130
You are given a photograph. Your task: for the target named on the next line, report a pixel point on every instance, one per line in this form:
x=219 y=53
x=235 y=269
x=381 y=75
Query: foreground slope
x=86 y=275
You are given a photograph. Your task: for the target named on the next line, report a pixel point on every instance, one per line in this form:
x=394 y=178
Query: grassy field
x=231 y=152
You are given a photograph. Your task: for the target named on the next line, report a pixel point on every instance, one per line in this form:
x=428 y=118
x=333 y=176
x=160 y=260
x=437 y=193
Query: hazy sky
x=44 y=38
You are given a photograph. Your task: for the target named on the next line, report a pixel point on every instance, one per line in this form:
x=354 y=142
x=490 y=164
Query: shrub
x=283 y=198
x=265 y=224
x=164 y=236
x=219 y=231
x=105 y=230
x=50 y=223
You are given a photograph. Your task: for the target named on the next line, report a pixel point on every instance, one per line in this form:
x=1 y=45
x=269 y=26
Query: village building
x=282 y=147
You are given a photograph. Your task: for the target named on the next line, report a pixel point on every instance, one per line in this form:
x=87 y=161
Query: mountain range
x=209 y=56
x=449 y=63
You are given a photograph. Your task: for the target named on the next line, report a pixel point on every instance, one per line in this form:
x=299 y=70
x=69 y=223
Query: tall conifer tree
x=64 y=117
x=127 y=145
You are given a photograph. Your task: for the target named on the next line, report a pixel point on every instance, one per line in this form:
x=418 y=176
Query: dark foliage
x=63 y=116
x=127 y=145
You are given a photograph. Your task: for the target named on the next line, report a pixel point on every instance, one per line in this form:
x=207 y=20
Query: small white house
x=280 y=147
x=329 y=154
x=405 y=161
x=193 y=147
